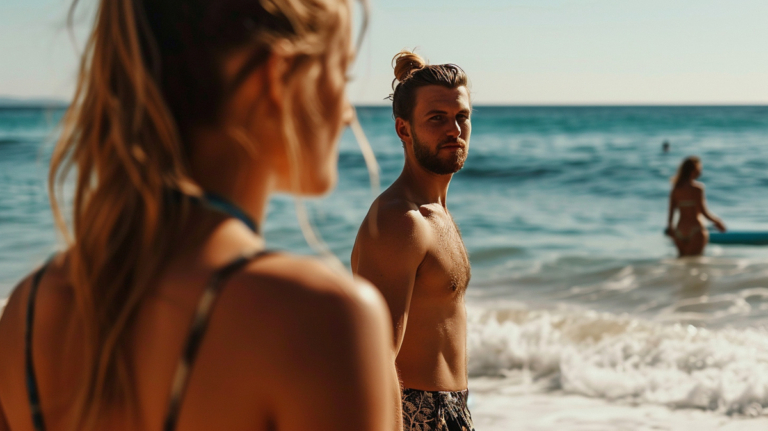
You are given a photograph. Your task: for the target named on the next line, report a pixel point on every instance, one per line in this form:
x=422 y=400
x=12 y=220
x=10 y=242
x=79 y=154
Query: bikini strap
x=32 y=388
x=199 y=325
x=218 y=203
x=222 y=204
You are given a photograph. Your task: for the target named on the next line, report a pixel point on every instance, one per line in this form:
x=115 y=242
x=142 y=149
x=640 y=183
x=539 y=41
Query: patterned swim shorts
x=436 y=411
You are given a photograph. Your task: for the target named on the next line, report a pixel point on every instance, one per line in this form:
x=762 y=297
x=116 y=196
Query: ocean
x=581 y=316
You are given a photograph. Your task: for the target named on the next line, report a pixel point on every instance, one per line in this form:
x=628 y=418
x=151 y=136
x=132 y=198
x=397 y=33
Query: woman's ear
x=247 y=84
x=276 y=69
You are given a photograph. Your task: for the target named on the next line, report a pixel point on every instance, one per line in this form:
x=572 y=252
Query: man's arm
x=391 y=259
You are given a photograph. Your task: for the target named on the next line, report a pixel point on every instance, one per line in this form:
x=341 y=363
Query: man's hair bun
x=411 y=73
x=405 y=63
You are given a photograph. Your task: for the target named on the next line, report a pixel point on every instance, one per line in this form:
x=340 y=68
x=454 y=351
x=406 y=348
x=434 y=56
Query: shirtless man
x=411 y=249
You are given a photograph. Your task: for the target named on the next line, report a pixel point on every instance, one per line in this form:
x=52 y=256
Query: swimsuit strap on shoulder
x=29 y=365
x=196 y=332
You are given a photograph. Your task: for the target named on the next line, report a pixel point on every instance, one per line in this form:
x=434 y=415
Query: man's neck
x=422 y=186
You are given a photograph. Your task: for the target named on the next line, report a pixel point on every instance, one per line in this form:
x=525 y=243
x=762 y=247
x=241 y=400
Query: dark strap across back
x=195 y=337
x=191 y=346
x=34 y=395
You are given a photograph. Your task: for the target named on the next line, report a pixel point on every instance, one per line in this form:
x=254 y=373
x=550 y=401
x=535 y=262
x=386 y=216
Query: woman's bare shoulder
x=56 y=294
x=303 y=287
x=13 y=308
x=289 y=309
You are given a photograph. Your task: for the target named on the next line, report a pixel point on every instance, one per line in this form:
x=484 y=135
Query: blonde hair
x=125 y=134
x=685 y=171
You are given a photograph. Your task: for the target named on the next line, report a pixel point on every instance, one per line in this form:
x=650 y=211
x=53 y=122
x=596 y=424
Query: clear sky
x=515 y=51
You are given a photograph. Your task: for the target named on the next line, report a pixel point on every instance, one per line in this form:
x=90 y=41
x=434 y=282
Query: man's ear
x=403 y=129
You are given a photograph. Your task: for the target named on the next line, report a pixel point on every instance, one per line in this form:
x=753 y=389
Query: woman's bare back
x=284 y=332
x=690 y=234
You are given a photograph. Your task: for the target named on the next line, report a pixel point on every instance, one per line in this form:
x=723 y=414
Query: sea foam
x=623 y=359
x=619 y=358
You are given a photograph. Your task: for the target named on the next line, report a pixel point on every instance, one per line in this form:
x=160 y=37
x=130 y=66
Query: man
x=411 y=249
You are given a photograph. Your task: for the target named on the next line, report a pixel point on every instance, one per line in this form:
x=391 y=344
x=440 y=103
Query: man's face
x=440 y=128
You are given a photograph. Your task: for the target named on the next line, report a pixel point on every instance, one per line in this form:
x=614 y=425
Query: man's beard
x=431 y=160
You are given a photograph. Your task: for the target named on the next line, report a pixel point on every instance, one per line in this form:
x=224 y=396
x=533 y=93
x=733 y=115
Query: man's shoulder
x=393 y=227
x=396 y=207
x=397 y=216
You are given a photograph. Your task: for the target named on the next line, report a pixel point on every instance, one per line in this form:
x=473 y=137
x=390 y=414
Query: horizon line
x=43 y=102
x=590 y=105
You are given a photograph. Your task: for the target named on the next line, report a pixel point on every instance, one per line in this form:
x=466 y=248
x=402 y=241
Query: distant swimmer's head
x=432 y=109
x=689 y=170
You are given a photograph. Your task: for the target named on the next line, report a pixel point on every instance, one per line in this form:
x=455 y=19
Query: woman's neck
x=226 y=169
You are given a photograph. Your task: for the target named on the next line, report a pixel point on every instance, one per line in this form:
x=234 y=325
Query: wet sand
x=497 y=406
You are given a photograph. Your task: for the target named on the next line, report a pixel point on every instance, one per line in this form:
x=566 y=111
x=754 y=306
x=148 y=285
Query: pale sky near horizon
x=514 y=51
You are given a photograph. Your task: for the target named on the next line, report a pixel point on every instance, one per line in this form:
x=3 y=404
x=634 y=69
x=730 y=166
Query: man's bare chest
x=446 y=268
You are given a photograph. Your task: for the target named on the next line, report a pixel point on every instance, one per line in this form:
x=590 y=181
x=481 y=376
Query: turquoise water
x=562 y=210
x=550 y=199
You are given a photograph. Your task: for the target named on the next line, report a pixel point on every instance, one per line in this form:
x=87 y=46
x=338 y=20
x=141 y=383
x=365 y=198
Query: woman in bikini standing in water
x=687 y=196
x=164 y=312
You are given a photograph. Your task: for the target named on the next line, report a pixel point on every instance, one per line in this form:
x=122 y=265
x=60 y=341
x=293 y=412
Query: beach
x=501 y=407
x=580 y=315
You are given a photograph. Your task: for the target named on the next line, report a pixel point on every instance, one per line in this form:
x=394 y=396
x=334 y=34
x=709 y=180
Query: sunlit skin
x=416 y=256
x=292 y=344
x=693 y=243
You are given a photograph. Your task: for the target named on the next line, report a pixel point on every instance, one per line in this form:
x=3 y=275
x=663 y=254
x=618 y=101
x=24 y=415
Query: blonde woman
x=687 y=196
x=165 y=312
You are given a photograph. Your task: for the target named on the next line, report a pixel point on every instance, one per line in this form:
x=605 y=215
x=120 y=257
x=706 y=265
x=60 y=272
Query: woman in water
x=165 y=312
x=687 y=196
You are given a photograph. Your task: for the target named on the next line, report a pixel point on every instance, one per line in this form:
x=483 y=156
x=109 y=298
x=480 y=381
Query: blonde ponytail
x=146 y=78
